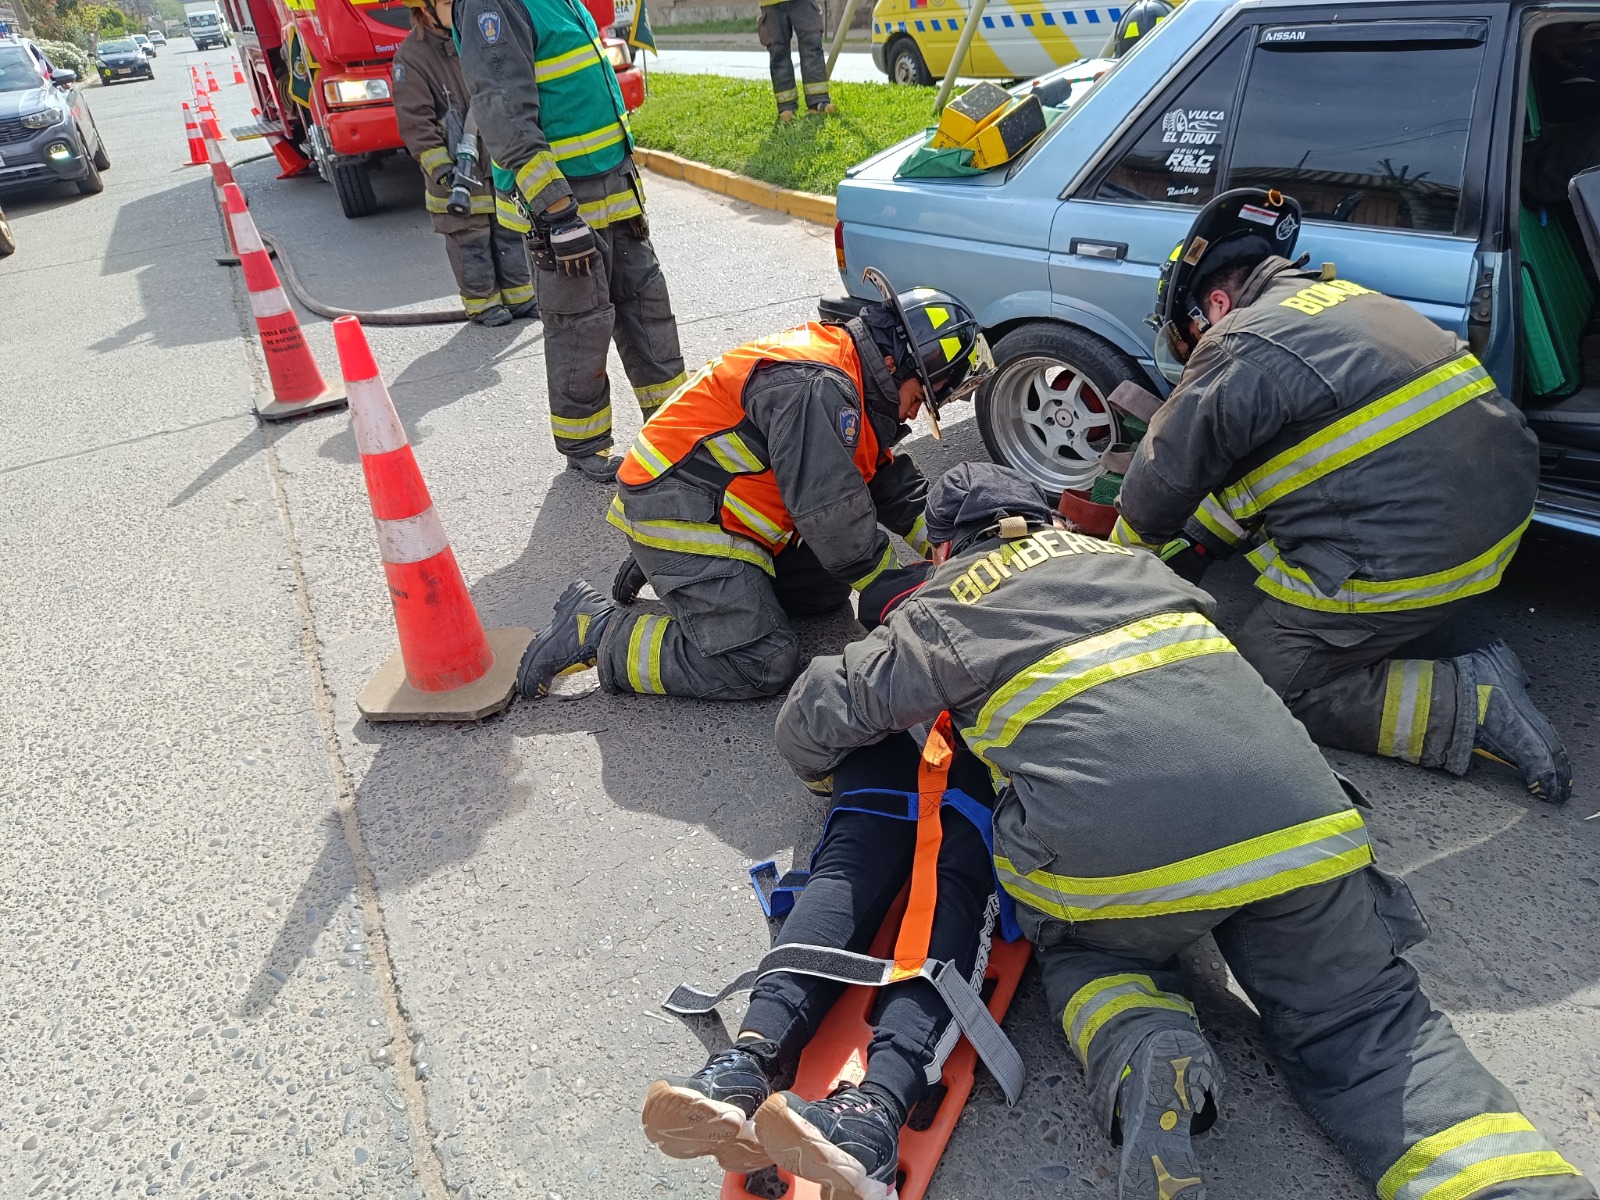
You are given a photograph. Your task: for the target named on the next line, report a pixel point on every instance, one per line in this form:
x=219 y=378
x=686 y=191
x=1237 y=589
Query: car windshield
x=18 y=71
x=117 y=47
x=139 y=37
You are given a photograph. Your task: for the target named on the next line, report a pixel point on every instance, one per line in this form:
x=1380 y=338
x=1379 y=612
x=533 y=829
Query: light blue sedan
x=1414 y=133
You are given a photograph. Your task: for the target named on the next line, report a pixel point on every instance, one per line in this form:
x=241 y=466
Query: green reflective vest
x=581 y=109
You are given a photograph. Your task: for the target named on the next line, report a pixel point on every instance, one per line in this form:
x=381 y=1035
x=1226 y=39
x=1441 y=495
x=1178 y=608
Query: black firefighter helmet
x=1137 y=20
x=1238 y=226
x=948 y=350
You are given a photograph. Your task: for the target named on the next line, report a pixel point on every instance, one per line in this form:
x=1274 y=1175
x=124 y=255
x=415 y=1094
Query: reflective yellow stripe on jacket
x=1059 y=676
x=689 y=537
x=618 y=206
x=557 y=66
x=1470 y=1156
x=1290 y=584
x=482 y=204
x=433 y=160
x=1253 y=870
x=1354 y=435
x=609 y=134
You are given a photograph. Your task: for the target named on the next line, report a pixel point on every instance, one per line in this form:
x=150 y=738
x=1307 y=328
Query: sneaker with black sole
x=1166 y=1086
x=493 y=317
x=601 y=467
x=848 y=1144
x=709 y=1112
x=1511 y=729
x=571 y=642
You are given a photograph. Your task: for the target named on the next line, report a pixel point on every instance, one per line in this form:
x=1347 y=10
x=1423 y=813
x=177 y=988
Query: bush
x=67 y=57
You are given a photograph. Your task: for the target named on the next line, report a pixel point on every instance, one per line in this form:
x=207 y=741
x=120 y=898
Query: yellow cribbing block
x=968 y=113
x=1009 y=134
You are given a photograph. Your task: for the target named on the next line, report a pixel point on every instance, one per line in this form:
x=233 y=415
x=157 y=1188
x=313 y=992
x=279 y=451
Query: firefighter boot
x=528 y=310
x=1168 y=1085
x=571 y=642
x=493 y=317
x=710 y=1111
x=848 y=1143
x=1510 y=729
x=600 y=467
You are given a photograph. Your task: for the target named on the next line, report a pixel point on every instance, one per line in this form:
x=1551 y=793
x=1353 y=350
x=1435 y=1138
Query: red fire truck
x=319 y=72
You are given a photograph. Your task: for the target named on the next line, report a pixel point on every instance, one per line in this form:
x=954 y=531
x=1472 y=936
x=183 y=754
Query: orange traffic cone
x=211 y=80
x=221 y=177
x=238 y=72
x=447 y=667
x=297 y=384
x=197 y=144
x=195 y=82
x=289 y=158
x=208 y=118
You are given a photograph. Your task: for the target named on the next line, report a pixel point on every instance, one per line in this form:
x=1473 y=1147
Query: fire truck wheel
x=353 y=185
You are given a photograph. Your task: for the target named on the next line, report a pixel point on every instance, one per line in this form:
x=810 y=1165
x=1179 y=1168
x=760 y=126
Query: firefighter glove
x=630 y=580
x=571 y=242
x=1187 y=560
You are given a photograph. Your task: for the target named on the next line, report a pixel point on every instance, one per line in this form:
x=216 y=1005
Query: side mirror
x=63 y=78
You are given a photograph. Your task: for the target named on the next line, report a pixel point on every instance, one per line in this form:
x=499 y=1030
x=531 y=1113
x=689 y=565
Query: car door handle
x=1115 y=251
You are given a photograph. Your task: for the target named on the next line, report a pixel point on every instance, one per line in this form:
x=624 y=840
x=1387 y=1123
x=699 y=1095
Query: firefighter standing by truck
x=759 y=492
x=549 y=107
x=1153 y=790
x=490 y=261
x=781 y=23
x=1380 y=477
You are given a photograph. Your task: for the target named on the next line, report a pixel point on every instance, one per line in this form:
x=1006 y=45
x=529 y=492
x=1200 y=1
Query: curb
x=808 y=206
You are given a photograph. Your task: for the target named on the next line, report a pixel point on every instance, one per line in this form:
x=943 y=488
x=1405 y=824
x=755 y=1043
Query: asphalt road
x=252 y=946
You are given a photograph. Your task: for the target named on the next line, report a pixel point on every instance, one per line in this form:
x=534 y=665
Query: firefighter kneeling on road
x=1155 y=791
x=490 y=261
x=758 y=491
x=1380 y=477
x=547 y=100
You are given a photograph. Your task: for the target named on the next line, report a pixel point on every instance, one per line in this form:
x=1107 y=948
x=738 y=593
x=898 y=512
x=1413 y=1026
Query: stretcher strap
x=966 y=1006
x=916 y=927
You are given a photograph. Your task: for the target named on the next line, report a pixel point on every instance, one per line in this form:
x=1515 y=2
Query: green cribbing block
x=1106 y=488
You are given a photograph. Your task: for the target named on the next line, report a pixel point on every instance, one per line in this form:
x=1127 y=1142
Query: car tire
x=8 y=240
x=102 y=160
x=353 y=185
x=91 y=184
x=1044 y=411
x=905 y=63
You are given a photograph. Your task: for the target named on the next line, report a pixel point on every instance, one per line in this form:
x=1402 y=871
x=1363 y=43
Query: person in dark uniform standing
x=780 y=23
x=1152 y=790
x=1378 y=480
x=550 y=109
x=489 y=259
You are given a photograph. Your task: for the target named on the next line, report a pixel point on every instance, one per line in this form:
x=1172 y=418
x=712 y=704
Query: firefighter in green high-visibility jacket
x=548 y=105
x=1378 y=480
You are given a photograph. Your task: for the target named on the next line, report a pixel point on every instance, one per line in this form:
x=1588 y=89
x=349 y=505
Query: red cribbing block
x=838 y=1054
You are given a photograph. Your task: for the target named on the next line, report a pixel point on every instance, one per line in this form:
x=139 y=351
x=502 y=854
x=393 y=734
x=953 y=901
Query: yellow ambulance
x=913 y=41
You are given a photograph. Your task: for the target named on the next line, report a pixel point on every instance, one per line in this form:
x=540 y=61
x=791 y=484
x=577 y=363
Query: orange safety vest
x=708 y=411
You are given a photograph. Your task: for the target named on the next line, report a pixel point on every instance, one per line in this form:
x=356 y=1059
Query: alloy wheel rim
x=1050 y=422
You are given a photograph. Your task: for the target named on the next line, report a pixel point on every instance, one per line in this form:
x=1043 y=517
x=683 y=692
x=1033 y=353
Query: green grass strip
x=733 y=124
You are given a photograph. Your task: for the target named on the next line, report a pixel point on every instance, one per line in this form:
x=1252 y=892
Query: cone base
x=388 y=697
x=331 y=397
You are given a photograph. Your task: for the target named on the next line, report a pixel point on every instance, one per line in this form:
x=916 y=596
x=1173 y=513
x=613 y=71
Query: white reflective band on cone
x=245 y=236
x=411 y=539
x=213 y=151
x=270 y=303
x=377 y=425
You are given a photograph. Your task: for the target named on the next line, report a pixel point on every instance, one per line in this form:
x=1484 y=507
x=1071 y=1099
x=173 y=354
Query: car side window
x=1364 y=132
x=1174 y=159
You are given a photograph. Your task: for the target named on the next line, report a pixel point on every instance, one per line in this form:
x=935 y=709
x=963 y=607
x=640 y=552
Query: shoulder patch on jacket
x=489 y=27
x=849 y=427
x=399 y=72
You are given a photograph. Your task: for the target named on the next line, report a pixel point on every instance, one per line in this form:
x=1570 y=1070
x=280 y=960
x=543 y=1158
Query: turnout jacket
x=550 y=108
x=1144 y=767
x=771 y=440
x=1364 y=448
x=427 y=87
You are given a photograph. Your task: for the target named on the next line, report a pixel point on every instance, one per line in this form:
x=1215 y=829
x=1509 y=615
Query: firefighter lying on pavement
x=551 y=111
x=490 y=261
x=1126 y=829
x=731 y=1109
x=1381 y=477
x=759 y=491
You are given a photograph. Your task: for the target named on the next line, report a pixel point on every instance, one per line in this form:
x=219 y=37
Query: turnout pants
x=490 y=262
x=625 y=299
x=859 y=867
x=1381 y=1070
x=800 y=19
x=1334 y=673
x=728 y=635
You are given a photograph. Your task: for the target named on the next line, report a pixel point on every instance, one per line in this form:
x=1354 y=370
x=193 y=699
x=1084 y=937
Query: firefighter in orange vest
x=757 y=493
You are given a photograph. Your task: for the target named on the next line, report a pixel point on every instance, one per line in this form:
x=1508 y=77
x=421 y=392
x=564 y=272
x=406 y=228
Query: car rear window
x=1369 y=134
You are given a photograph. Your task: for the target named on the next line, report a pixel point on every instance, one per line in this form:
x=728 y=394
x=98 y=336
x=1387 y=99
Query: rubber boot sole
x=1509 y=666
x=798 y=1147
x=1178 y=1070
x=685 y=1124
x=567 y=609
